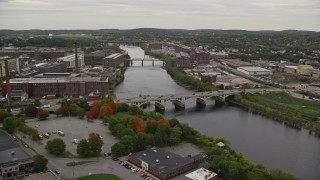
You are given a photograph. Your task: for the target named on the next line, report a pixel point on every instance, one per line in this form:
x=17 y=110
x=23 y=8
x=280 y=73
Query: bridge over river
x=143 y=60
x=179 y=99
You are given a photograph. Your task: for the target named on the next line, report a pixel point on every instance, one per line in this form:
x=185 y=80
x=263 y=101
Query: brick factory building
x=15 y=163
x=94 y=57
x=60 y=87
x=164 y=164
x=59 y=67
x=114 y=60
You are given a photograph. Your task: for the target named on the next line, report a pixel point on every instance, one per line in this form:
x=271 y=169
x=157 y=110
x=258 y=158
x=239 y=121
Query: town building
x=59 y=67
x=254 y=71
x=114 y=60
x=209 y=77
x=60 y=87
x=13 y=66
x=183 y=60
x=235 y=63
x=305 y=70
x=202 y=174
x=164 y=164
x=71 y=60
x=15 y=163
x=94 y=57
x=155 y=47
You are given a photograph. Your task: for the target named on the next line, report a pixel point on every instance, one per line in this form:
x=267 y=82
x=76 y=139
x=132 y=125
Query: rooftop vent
x=12 y=153
x=155 y=150
x=144 y=154
x=168 y=157
x=157 y=161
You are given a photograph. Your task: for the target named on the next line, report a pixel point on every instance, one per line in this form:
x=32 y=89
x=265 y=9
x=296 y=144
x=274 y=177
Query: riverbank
x=294 y=112
x=179 y=75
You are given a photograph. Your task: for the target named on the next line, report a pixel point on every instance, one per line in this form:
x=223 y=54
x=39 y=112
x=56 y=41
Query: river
x=260 y=139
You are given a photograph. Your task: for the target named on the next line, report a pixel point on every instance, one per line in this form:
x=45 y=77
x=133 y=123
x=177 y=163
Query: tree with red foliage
x=93 y=113
x=113 y=106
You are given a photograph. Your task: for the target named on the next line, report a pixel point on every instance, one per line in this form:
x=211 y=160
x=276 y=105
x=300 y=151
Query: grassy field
x=284 y=102
x=282 y=106
x=100 y=177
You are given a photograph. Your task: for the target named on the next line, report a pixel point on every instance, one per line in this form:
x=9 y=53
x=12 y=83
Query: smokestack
x=76 y=56
x=8 y=88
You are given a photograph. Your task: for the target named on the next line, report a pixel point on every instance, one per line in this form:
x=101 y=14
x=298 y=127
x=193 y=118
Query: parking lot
x=73 y=128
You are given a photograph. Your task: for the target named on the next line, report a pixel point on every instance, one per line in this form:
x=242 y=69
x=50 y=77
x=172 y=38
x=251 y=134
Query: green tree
x=3 y=115
x=9 y=124
x=141 y=142
x=278 y=174
x=56 y=146
x=37 y=102
x=83 y=148
x=175 y=135
x=118 y=149
x=127 y=131
x=95 y=143
x=40 y=163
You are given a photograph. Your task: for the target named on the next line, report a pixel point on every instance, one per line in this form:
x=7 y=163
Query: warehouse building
x=164 y=164
x=254 y=71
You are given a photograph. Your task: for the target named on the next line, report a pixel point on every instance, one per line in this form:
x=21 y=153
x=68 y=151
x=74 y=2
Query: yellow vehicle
x=46 y=135
x=61 y=133
x=40 y=136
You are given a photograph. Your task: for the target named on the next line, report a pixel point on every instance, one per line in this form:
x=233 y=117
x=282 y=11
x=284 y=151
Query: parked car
x=115 y=158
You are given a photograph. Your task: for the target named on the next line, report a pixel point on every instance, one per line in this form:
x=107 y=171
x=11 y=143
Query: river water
x=260 y=139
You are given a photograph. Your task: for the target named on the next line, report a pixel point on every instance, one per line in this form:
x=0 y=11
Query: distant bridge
x=179 y=99
x=143 y=60
x=135 y=43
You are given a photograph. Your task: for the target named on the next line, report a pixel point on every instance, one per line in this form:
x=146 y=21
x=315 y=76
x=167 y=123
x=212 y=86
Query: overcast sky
x=179 y=14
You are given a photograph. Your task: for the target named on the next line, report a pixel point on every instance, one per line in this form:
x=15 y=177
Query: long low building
x=254 y=71
x=164 y=164
x=60 y=87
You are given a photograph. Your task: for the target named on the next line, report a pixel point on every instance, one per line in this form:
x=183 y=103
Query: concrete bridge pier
x=152 y=63
x=179 y=104
x=141 y=62
x=201 y=102
x=160 y=105
x=220 y=99
x=131 y=63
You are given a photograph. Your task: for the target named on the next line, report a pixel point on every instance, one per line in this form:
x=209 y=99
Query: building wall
x=74 y=89
x=12 y=63
x=54 y=68
x=113 y=62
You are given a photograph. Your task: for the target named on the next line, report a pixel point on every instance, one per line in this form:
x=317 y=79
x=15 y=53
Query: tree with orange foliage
x=105 y=110
x=95 y=104
x=136 y=124
x=163 y=122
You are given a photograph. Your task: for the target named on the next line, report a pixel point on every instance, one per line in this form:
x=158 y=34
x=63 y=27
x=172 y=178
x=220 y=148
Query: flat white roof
x=292 y=67
x=254 y=68
x=201 y=174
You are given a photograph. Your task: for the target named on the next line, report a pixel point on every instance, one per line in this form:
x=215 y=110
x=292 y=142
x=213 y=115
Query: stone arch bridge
x=179 y=99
